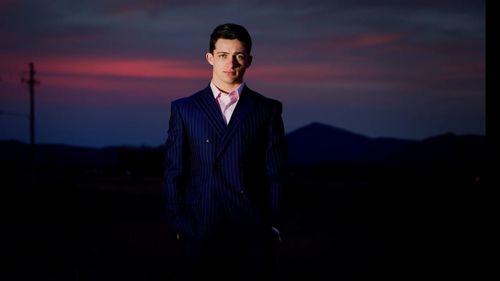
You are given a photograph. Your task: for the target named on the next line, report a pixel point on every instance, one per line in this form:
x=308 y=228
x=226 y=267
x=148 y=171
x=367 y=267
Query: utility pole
x=31 y=81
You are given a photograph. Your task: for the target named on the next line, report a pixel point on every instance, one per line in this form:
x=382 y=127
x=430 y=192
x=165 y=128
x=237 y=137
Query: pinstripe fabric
x=216 y=172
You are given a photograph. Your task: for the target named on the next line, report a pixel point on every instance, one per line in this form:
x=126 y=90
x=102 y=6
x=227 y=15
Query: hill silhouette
x=320 y=144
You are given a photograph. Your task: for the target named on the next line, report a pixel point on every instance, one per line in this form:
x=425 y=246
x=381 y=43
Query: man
x=225 y=160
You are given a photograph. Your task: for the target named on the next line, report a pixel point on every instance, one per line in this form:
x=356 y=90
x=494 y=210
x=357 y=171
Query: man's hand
x=277 y=232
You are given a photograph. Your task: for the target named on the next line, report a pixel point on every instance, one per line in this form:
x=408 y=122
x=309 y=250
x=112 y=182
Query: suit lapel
x=243 y=108
x=210 y=107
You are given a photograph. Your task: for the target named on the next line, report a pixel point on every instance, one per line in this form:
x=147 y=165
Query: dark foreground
x=365 y=225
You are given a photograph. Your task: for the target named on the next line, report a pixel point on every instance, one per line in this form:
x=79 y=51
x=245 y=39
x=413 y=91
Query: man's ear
x=210 y=58
x=250 y=59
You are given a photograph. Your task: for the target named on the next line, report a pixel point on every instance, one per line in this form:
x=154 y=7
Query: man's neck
x=225 y=87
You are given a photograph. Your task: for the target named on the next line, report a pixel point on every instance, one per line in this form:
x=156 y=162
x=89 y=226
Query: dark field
x=368 y=223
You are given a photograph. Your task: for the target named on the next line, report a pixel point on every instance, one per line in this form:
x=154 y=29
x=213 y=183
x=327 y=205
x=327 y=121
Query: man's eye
x=240 y=57
x=223 y=56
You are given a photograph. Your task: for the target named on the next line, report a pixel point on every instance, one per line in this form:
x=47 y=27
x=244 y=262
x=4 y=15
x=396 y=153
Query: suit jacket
x=216 y=172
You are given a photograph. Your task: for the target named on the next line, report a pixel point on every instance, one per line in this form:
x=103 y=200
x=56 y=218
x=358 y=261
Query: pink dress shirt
x=227 y=101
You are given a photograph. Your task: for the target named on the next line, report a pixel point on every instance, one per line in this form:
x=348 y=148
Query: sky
x=108 y=70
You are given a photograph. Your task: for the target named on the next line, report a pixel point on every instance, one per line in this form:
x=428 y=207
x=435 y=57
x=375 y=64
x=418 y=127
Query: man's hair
x=231 y=31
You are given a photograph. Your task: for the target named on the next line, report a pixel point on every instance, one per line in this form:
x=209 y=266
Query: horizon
x=109 y=70
x=314 y=123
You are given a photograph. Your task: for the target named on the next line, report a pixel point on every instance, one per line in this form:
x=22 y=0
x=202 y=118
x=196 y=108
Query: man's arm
x=276 y=164
x=174 y=174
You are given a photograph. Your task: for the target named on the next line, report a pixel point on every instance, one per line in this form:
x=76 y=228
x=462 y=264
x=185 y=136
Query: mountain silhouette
x=318 y=144
x=448 y=151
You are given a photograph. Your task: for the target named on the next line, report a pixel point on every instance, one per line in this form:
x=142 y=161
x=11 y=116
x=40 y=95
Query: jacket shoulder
x=265 y=100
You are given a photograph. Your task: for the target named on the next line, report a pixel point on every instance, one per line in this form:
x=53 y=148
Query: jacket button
x=207 y=140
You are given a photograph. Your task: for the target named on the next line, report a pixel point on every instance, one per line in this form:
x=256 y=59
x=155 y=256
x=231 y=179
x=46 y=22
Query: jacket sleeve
x=276 y=154
x=173 y=181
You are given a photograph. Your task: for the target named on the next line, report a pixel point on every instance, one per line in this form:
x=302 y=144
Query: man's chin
x=232 y=81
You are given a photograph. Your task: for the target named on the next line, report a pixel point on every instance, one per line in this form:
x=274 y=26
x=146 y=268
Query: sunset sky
x=108 y=70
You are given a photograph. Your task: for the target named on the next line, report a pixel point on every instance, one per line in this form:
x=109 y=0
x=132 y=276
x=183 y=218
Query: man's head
x=230 y=46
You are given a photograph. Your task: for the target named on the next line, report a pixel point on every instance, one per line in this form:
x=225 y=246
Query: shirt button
x=207 y=140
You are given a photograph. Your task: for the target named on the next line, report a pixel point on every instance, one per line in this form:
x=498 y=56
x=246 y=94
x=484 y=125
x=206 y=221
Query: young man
x=225 y=161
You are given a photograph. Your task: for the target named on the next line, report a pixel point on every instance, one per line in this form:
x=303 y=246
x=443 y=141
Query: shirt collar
x=216 y=91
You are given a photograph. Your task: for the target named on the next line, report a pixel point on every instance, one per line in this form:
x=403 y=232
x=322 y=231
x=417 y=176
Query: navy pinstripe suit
x=223 y=183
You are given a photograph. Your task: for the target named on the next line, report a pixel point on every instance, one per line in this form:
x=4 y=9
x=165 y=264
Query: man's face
x=229 y=60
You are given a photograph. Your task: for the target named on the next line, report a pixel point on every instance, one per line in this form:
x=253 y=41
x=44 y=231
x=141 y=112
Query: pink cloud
x=138 y=68
x=302 y=72
x=369 y=40
x=98 y=66
x=343 y=70
x=460 y=71
x=71 y=89
x=66 y=80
